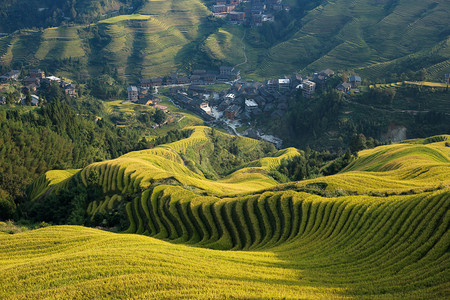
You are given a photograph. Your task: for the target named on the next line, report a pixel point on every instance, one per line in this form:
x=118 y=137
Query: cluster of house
x=243 y=100
x=143 y=95
x=33 y=81
x=353 y=82
x=254 y=12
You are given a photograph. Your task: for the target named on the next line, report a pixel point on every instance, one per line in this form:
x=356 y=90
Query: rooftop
x=354 y=78
x=251 y=103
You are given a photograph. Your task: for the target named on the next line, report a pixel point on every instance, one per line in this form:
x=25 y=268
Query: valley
x=217 y=149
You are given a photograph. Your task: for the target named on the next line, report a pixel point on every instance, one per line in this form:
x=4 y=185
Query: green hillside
x=378 y=229
x=145 y=44
x=372 y=38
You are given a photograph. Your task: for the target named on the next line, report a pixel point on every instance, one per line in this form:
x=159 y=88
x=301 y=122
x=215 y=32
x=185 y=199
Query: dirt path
x=413 y=112
x=245 y=54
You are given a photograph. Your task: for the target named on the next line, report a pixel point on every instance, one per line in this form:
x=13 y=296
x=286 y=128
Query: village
x=32 y=83
x=254 y=12
x=240 y=101
x=221 y=97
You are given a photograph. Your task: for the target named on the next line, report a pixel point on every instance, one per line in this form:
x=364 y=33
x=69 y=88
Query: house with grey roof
x=355 y=81
x=344 y=87
x=133 y=93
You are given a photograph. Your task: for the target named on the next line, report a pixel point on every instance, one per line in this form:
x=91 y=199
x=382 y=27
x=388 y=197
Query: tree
x=359 y=142
x=423 y=75
x=9 y=98
x=7 y=206
x=159 y=116
x=28 y=98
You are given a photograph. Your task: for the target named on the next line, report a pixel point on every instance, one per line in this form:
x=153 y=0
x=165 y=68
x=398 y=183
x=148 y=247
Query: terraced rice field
x=366 y=36
x=47 y=181
x=371 y=38
x=140 y=45
x=377 y=230
x=60 y=43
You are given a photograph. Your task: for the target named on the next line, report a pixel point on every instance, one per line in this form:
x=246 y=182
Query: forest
x=51 y=13
x=330 y=120
x=52 y=137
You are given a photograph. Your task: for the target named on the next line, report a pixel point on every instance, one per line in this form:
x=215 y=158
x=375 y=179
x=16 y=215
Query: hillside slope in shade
x=371 y=38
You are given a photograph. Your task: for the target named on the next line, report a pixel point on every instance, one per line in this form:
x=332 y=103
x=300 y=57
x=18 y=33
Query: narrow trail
x=395 y=110
x=245 y=54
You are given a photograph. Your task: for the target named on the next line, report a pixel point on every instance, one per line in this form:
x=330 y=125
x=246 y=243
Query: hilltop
x=372 y=38
x=377 y=229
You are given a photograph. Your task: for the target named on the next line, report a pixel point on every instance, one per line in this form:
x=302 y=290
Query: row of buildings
x=255 y=12
x=36 y=77
x=353 y=82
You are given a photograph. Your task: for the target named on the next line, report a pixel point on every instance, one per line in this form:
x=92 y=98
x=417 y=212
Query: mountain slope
x=137 y=45
x=362 y=34
x=372 y=38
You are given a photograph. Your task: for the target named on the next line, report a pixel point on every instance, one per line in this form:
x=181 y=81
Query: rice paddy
x=377 y=230
x=366 y=37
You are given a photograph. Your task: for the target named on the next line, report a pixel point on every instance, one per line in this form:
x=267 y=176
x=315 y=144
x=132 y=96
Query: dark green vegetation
x=311 y=165
x=380 y=40
x=52 y=137
x=19 y=14
x=332 y=120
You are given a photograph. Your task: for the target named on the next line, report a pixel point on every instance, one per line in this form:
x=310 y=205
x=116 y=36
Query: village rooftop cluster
x=242 y=101
x=32 y=83
x=254 y=12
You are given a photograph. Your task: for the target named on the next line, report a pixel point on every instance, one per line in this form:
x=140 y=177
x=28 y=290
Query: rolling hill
x=371 y=38
x=378 y=229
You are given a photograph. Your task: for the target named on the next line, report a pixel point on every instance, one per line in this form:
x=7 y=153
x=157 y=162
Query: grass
x=60 y=43
x=428 y=84
x=125 y=107
x=140 y=45
x=46 y=182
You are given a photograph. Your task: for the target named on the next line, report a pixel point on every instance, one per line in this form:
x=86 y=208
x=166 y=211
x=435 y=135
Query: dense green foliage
x=171 y=136
x=48 y=13
x=227 y=155
x=331 y=120
x=53 y=137
x=310 y=165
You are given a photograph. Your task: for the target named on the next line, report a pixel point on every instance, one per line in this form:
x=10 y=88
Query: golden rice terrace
x=378 y=229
